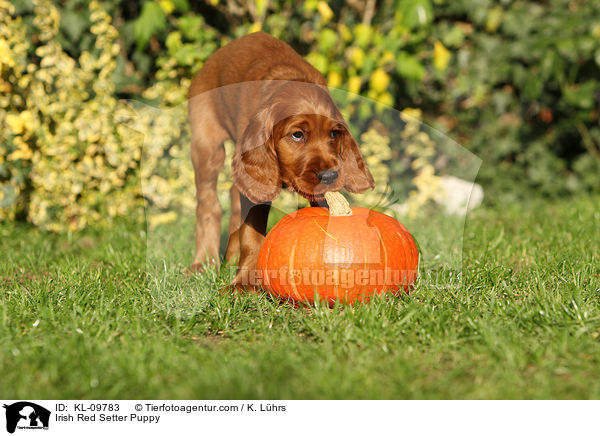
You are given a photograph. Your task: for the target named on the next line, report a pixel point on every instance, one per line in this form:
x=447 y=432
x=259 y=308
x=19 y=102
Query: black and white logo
x=26 y=415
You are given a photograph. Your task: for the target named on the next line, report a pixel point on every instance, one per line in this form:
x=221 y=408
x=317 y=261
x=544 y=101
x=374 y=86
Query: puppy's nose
x=328 y=176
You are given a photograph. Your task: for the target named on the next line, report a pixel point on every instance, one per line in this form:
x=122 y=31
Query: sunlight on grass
x=80 y=319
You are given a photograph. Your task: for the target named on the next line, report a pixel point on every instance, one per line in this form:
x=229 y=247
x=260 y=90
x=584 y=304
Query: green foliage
x=517 y=83
x=64 y=162
x=150 y=22
x=522 y=92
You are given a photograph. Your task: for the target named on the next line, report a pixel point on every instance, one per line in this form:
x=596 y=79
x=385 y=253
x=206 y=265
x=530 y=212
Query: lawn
x=79 y=319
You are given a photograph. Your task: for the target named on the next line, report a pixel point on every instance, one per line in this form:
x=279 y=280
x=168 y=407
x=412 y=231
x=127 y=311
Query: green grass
x=80 y=319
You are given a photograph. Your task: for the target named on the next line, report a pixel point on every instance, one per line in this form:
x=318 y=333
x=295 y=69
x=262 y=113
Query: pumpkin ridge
x=265 y=270
x=291 y=272
x=409 y=258
x=385 y=256
x=325 y=231
x=337 y=240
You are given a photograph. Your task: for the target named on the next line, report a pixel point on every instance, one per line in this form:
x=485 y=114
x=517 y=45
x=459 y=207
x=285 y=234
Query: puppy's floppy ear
x=255 y=167
x=357 y=177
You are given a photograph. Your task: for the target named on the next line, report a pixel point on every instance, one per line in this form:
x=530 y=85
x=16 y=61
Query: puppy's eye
x=335 y=133
x=298 y=136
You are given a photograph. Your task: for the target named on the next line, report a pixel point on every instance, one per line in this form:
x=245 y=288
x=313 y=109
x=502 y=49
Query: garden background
x=517 y=83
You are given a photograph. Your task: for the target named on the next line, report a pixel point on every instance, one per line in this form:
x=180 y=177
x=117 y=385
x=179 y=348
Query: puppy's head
x=298 y=138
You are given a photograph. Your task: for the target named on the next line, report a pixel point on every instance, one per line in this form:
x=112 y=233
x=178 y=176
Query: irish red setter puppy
x=288 y=132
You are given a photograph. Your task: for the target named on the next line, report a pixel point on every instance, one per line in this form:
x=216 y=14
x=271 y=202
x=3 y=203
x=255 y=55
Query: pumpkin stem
x=338 y=205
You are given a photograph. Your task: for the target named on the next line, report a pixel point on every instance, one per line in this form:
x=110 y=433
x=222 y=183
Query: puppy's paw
x=198 y=267
x=194 y=268
x=239 y=289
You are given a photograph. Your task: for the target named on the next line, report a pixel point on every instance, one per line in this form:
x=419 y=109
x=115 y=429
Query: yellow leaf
x=6 y=55
x=345 y=32
x=14 y=123
x=18 y=124
x=163 y=218
x=493 y=19
x=325 y=11
x=410 y=112
x=379 y=80
x=167 y=6
x=309 y=5
x=386 y=98
x=334 y=79
x=387 y=57
x=354 y=84
x=318 y=61
x=22 y=153
x=358 y=57
x=256 y=27
x=441 y=56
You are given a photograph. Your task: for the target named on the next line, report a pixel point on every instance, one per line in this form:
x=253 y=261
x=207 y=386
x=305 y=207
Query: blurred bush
x=516 y=82
x=522 y=91
x=63 y=161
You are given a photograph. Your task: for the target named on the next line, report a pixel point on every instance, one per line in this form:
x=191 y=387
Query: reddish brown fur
x=257 y=91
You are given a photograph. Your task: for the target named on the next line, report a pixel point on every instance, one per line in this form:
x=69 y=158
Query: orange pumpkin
x=346 y=258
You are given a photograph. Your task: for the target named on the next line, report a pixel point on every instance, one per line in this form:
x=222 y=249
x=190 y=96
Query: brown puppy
x=288 y=132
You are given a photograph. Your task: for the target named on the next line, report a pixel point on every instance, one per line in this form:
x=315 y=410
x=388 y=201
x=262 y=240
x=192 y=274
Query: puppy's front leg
x=252 y=233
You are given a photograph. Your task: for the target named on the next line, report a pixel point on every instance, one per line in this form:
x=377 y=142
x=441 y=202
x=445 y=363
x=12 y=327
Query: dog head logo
x=26 y=415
